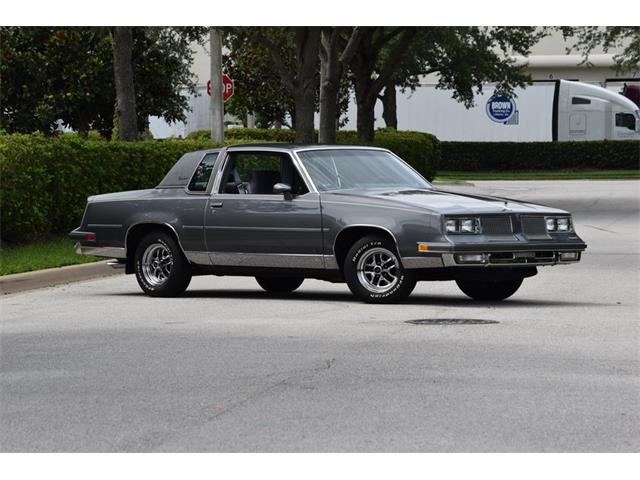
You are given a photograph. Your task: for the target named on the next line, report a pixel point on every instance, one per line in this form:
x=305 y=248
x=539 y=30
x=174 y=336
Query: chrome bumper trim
x=110 y=252
x=432 y=261
x=517 y=259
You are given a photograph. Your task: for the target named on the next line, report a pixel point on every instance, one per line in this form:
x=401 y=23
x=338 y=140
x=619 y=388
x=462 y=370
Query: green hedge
x=509 y=156
x=45 y=181
x=261 y=134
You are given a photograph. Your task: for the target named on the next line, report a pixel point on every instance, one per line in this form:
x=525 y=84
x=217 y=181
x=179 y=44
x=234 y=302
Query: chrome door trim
x=273 y=260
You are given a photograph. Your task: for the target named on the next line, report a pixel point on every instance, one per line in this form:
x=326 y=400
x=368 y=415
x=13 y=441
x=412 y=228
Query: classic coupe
x=282 y=213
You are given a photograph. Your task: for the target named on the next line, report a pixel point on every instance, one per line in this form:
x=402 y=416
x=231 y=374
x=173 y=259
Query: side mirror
x=284 y=189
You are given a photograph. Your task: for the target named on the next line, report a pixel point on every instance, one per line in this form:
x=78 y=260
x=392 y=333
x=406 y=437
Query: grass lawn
x=36 y=256
x=444 y=176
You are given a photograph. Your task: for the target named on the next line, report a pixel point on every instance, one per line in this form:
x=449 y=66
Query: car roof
x=300 y=146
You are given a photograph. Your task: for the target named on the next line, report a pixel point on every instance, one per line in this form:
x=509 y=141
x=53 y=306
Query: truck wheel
x=279 y=284
x=374 y=273
x=489 y=290
x=160 y=266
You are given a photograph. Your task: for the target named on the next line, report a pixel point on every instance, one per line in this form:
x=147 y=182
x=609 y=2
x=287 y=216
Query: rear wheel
x=489 y=290
x=160 y=266
x=279 y=284
x=374 y=273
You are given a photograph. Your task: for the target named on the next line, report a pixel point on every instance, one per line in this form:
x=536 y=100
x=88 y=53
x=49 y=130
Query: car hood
x=442 y=201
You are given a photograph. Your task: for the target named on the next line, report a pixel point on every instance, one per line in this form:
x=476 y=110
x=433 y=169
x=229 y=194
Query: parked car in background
x=283 y=213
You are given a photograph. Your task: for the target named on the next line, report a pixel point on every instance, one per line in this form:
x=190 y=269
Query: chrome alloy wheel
x=156 y=264
x=378 y=270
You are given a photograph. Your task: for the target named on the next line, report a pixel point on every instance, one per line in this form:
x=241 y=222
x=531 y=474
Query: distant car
x=359 y=215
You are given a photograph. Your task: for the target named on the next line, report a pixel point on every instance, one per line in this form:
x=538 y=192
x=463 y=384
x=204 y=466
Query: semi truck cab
x=589 y=112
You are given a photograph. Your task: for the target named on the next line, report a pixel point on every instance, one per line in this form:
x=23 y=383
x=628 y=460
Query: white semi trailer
x=554 y=110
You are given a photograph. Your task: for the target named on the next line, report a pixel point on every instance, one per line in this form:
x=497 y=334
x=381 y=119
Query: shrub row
x=45 y=181
x=506 y=156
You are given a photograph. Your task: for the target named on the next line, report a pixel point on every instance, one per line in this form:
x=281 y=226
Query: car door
x=246 y=224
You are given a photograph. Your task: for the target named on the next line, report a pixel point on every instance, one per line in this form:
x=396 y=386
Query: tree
x=586 y=39
x=302 y=80
x=125 y=88
x=464 y=58
x=258 y=83
x=337 y=47
x=371 y=72
x=52 y=74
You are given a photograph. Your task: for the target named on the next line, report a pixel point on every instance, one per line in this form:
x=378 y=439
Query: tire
x=160 y=266
x=279 y=284
x=374 y=273
x=489 y=290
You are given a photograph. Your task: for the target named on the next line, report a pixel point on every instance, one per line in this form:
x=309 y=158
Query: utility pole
x=217 y=104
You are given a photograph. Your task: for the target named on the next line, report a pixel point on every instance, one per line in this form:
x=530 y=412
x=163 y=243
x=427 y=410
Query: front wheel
x=161 y=268
x=489 y=290
x=279 y=284
x=374 y=273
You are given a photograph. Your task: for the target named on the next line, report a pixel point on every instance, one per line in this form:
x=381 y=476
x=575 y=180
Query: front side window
x=344 y=169
x=201 y=176
x=255 y=173
x=580 y=101
x=627 y=120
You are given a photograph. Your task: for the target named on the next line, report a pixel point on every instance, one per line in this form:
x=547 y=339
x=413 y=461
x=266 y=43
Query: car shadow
x=347 y=297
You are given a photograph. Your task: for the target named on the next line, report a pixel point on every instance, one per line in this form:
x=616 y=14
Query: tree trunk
x=305 y=109
x=366 y=122
x=365 y=103
x=390 y=112
x=307 y=49
x=330 y=73
x=125 y=88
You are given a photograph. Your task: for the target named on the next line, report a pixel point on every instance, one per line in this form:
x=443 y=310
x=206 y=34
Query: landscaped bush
x=261 y=134
x=509 y=156
x=45 y=181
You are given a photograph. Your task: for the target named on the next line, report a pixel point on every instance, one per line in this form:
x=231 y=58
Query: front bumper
x=484 y=255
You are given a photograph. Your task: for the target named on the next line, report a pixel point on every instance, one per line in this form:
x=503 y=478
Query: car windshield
x=344 y=169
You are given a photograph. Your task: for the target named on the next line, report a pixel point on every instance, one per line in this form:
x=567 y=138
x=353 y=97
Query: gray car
x=283 y=213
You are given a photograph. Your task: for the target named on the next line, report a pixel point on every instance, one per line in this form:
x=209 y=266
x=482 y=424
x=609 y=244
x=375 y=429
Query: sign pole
x=216 y=105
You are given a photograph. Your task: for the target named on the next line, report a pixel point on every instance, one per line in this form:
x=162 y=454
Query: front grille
x=534 y=228
x=522 y=257
x=497 y=227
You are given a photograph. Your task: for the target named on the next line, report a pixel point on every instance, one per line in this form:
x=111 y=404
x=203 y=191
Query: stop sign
x=227 y=87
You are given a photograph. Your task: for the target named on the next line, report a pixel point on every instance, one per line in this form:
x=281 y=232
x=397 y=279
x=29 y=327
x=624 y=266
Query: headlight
x=558 y=224
x=551 y=224
x=563 y=224
x=451 y=225
x=462 y=225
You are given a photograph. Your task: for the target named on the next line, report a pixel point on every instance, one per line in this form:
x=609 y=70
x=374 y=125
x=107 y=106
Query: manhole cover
x=451 y=321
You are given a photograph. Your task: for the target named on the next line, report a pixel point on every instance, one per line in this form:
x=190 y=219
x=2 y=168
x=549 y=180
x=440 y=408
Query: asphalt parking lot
x=97 y=366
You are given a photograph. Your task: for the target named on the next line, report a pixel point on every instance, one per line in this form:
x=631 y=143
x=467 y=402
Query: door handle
x=215 y=204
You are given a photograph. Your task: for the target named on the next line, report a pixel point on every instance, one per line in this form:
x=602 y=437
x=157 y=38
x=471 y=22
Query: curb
x=20 y=282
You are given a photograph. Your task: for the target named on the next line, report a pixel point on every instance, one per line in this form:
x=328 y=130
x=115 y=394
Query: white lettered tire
x=160 y=266
x=374 y=272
